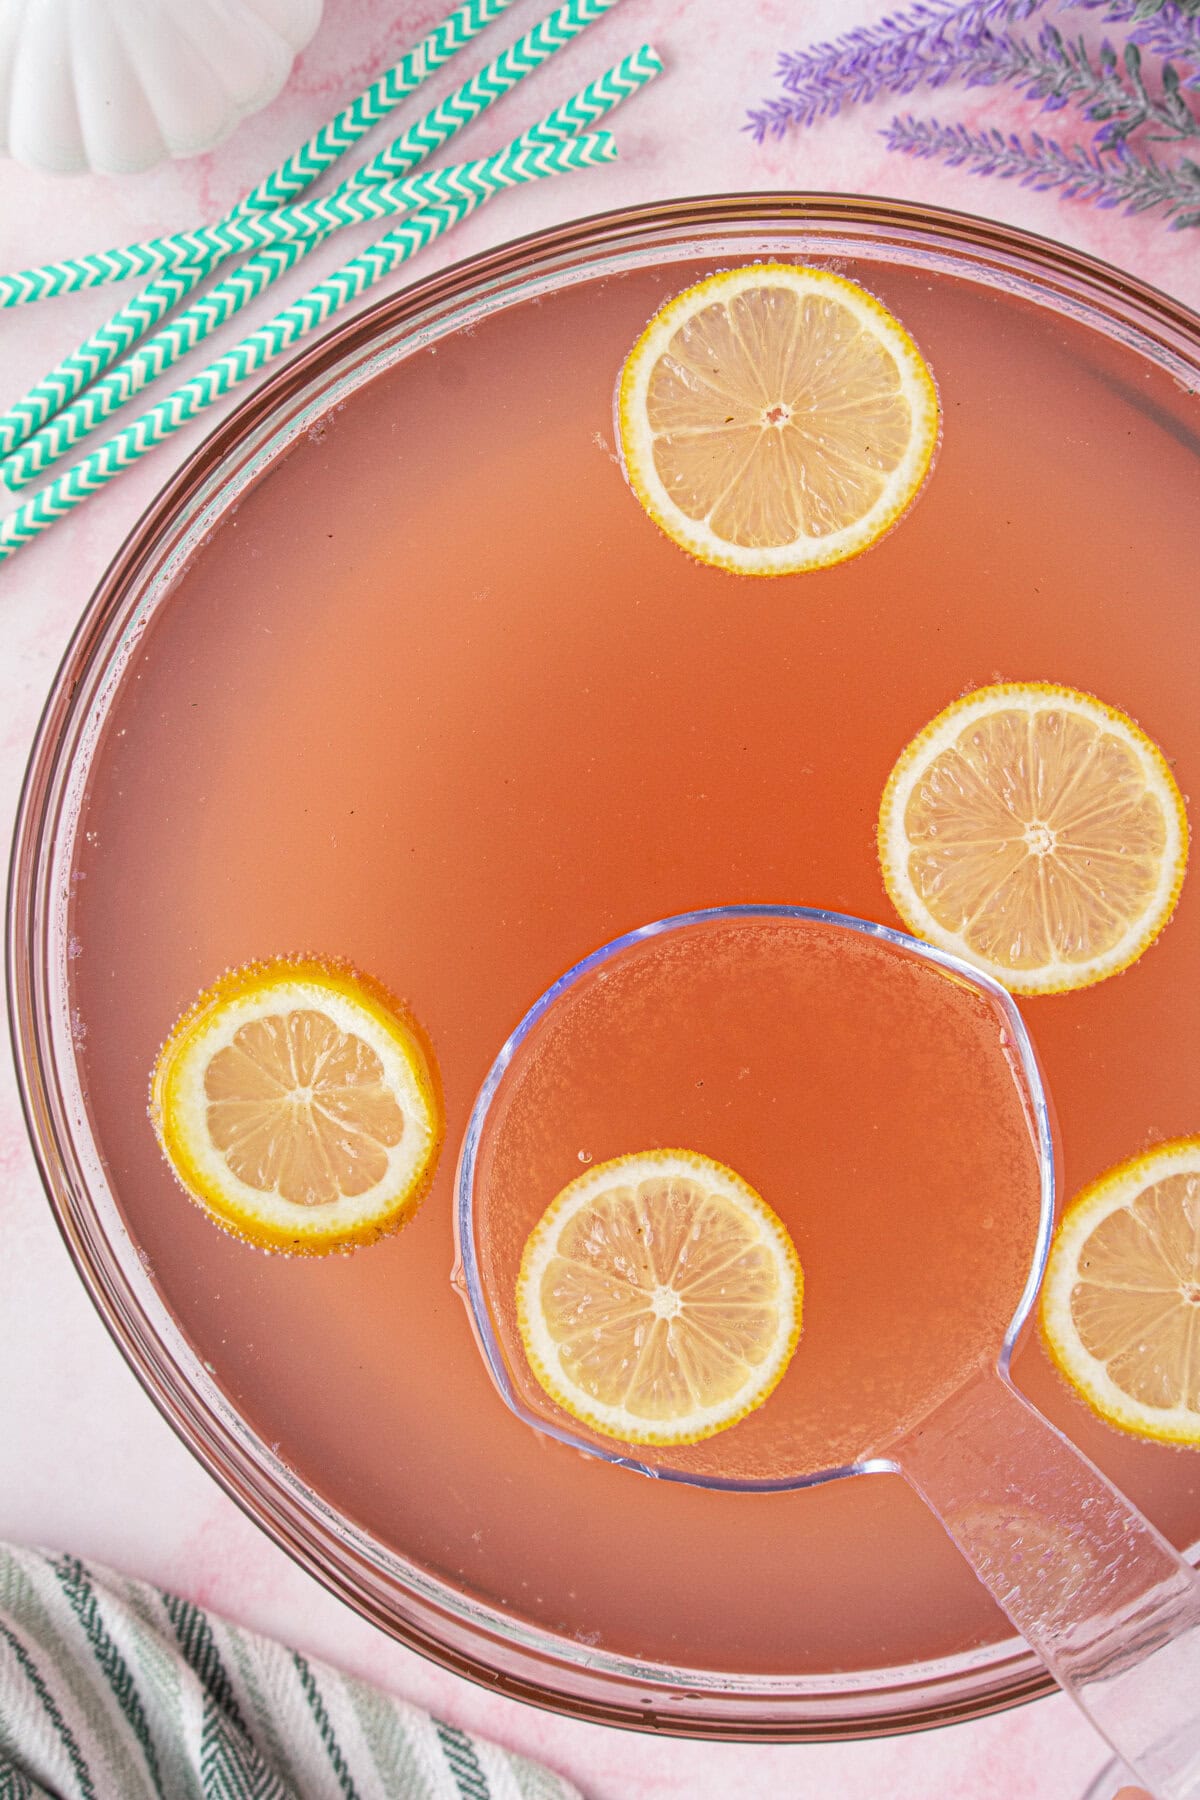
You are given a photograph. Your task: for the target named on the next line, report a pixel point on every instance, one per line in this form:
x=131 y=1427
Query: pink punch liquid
x=439 y=698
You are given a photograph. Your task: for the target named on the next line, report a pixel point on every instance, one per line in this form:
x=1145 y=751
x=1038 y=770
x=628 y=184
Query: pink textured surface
x=89 y=1463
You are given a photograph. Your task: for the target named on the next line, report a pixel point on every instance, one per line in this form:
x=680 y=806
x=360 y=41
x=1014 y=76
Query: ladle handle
x=1109 y=1606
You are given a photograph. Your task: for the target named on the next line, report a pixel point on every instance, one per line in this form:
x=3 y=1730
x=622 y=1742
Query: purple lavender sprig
x=923 y=48
x=1121 y=177
x=935 y=41
x=1170 y=29
x=926 y=45
x=1111 y=91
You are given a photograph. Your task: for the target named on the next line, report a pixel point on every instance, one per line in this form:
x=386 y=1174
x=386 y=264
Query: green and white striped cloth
x=111 y=1690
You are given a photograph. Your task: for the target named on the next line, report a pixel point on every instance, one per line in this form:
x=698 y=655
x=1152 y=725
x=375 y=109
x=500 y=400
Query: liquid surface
x=868 y=1097
x=438 y=697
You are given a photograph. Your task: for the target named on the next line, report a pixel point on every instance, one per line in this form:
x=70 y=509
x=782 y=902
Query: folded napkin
x=111 y=1690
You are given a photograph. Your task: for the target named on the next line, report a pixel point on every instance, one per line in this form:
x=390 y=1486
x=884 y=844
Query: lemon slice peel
x=1066 y=861
x=1122 y=1290
x=677 y=1340
x=819 y=436
x=370 y=1096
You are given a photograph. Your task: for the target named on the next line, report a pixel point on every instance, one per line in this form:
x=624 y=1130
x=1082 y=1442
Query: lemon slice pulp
x=775 y=418
x=297 y=1103
x=1036 y=832
x=1120 y=1309
x=659 y=1298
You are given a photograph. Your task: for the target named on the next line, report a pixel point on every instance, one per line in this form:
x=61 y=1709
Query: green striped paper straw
x=303 y=167
x=278 y=233
x=261 y=347
x=299 y=170
x=352 y=204
x=599 y=97
x=55 y=391
x=74 y=422
x=239 y=231
x=370 y=109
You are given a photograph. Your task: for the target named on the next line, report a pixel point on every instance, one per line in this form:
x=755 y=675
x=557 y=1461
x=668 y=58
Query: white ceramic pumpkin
x=119 y=85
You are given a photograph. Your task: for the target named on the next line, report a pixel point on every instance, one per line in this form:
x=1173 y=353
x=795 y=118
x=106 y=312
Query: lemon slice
x=297 y=1103
x=775 y=418
x=1036 y=832
x=659 y=1298
x=1120 y=1311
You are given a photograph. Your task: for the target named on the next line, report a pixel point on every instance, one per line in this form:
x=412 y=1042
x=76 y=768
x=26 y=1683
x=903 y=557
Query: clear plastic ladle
x=1092 y=1586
